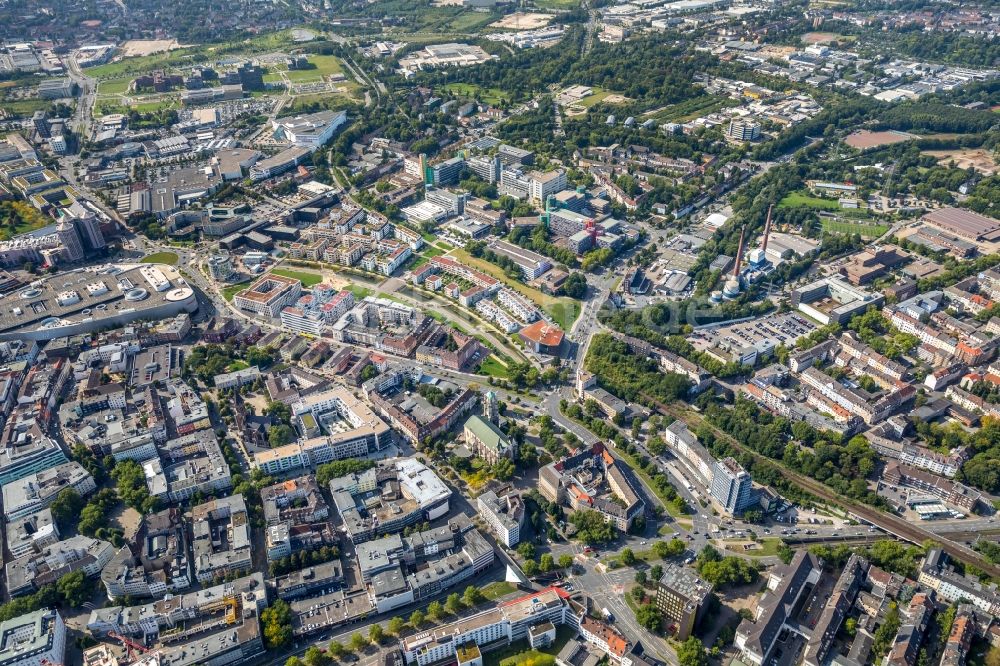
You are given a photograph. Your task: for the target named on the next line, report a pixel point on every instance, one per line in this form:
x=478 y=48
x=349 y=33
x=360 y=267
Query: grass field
x=307 y=279
x=563 y=311
x=690 y=109
x=161 y=258
x=233 y=289
x=494 y=591
x=801 y=199
x=25 y=107
x=153 y=107
x=493 y=367
x=324 y=101
x=487 y=95
x=557 y=4
x=358 y=291
x=865 y=230
x=325 y=65
x=114 y=86
x=768 y=547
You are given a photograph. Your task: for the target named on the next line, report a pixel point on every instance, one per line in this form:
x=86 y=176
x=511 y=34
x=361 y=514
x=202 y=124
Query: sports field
x=864 y=230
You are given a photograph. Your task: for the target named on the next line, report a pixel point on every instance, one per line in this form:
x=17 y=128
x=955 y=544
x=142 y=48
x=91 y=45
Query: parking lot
x=783 y=329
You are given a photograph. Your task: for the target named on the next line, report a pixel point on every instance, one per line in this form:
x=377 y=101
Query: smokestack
x=739 y=253
x=767 y=228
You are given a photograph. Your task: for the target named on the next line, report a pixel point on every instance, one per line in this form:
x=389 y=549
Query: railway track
x=885 y=521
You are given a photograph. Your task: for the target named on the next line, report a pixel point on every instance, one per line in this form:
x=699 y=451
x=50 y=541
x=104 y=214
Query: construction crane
x=130 y=645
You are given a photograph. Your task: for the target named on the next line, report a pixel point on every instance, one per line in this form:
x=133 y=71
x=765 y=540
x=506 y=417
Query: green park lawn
x=472 y=91
x=229 y=292
x=307 y=279
x=493 y=367
x=160 y=258
x=801 y=199
x=358 y=291
x=323 y=66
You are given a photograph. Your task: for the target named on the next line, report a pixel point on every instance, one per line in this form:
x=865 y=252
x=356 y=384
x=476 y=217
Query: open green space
x=494 y=591
x=229 y=292
x=114 y=86
x=159 y=105
x=863 y=230
x=306 y=278
x=472 y=91
x=190 y=55
x=358 y=291
x=19 y=217
x=768 y=548
x=563 y=311
x=324 y=101
x=161 y=258
x=236 y=366
x=322 y=67
x=690 y=109
x=593 y=99
x=24 y=107
x=802 y=199
x=493 y=367
x=557 y=4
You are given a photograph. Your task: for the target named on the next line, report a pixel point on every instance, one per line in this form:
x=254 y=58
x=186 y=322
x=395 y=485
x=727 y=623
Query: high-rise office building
x=681 y=596
x=731 y=486
x=743 y=130
x=70 y=241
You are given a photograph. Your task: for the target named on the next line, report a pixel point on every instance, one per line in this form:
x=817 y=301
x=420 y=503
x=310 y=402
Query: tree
x=546 y=563
x=526 y=549
x=74 y=588
x=416 y=619
x=66 y=507
x=503 y=469
x=640 y=577
x=131 y=482
x=337 y=649
x=472 y=596
x=692 y=653
x=358 y=641
x=530 y=567
x=376 y=633
x=591 y=527
x=628 y=557
x=294 y=661
x=280 y=435
x=277 y=622
x=656 y=572
x=315 y=657
x=396 y=625
x=649 y=617
x=453 y=603
x=435 y=611
x=565 y=561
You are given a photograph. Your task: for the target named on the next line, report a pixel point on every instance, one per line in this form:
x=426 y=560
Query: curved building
x=94 y=298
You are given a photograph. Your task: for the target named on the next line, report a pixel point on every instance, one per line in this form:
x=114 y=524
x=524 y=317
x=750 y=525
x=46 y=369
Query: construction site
x=195 y=628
